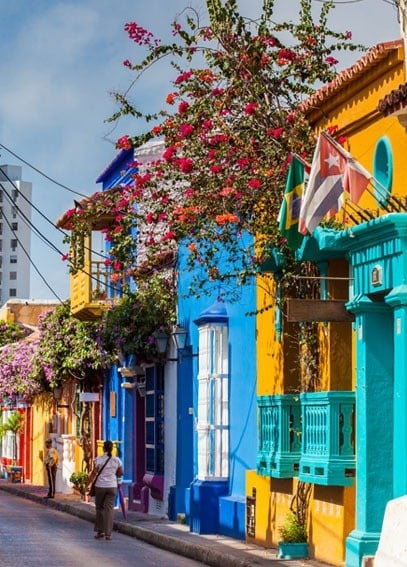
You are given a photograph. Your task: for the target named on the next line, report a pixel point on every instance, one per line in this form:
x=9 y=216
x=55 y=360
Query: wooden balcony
x=91 y=291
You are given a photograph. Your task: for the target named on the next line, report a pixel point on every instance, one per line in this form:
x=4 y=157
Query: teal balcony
x=279 y=435
x=309 y=435
x=328 y=438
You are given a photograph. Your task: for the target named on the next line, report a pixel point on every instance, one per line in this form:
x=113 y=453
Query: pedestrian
x=51 y=464
x=106 y=470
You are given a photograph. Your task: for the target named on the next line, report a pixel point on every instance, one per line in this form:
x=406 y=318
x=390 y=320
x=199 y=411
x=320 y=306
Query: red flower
x=183 y=77
x=185 y=130
x=150 y=218
x=183 y=107
x=216 y=168
x=254 y=183
x=251 y=108
x=168 y=236
x=124 y=143
x=169 y=153
x=331 y=60
x=127 y=63
x=276 y=132
x=171 y=98
x=186 y=165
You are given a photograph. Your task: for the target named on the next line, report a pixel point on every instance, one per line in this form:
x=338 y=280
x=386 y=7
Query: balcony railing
x=328 y=440
x=91 y=291
x=310 y=435
x=279 y=435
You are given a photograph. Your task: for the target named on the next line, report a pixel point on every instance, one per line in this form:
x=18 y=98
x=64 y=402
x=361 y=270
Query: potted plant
x=293 y=544
x=80 y=481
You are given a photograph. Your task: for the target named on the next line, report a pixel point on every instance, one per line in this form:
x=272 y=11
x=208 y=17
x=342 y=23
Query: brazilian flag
x=291 y=205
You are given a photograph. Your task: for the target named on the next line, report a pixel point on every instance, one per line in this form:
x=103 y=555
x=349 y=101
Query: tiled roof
x=372 y=58
x=395 y=101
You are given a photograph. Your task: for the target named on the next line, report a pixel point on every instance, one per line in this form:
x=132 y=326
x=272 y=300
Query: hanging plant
x=129 y=325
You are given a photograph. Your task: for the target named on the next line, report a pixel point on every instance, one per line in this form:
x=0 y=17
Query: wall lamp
x=179 y=334
x=57 y=394
x=131 y=372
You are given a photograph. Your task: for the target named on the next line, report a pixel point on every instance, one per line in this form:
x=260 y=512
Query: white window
x=213 y=402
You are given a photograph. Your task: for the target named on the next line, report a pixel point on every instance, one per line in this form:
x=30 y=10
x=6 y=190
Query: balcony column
x=397 y=299
x=374 y=418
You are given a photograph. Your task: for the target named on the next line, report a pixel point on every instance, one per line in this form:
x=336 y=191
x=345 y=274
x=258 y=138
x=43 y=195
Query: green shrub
x=292 y=531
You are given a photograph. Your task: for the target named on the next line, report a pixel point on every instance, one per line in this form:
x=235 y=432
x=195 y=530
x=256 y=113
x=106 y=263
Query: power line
x=27 y=254
x=41 y=172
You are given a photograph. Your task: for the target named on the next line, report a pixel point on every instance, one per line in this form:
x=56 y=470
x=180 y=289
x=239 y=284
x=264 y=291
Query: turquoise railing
x=328 y=438
x=279 y=435
x=309 y=435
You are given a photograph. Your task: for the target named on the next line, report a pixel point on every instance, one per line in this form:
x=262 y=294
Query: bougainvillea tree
x=16 y=371
x=230 y=122
x=67 y=348
x=11 y=332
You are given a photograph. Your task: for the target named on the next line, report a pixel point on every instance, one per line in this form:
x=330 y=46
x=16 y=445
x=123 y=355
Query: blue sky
x=59 y=61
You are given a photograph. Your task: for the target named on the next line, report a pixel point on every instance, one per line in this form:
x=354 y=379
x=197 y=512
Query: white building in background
x=15 y=233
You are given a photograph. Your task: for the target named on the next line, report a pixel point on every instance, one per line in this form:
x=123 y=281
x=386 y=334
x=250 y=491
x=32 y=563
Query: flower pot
x=292 y=550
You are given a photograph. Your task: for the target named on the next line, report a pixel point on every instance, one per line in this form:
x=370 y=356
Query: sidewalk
x=218 y=551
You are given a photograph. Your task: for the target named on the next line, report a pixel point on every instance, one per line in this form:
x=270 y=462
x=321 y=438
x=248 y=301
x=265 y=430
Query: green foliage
x=10 y=333
x=80 y=480
x=292 y=531
x=67 y=348
x=129 y=325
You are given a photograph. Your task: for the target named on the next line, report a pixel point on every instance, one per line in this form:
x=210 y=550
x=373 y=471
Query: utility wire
x=29 y=257
x=41 y=172
x=46 y=240
x=44 y=217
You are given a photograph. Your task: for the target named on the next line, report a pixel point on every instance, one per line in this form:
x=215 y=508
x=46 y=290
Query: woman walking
x=107 y=468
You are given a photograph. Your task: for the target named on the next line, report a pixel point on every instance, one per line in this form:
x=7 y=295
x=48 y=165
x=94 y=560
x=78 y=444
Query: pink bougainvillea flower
x=185 y=130
x=127 y=63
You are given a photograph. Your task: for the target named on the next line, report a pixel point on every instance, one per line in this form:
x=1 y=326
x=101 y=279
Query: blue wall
x=242 y=387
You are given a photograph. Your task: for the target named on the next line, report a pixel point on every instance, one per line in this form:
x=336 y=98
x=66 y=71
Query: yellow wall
x=41 y=429
x=353 y=108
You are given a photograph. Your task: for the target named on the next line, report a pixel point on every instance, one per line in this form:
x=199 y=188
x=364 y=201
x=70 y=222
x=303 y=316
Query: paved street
x=32 y=534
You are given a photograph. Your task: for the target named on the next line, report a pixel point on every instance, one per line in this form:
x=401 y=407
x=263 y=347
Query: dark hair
x=108 y=447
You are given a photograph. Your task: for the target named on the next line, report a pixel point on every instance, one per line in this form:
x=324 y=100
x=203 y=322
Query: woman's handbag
x=92 y=486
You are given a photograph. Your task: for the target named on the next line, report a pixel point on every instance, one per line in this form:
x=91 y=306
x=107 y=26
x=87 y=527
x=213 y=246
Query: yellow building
x=308 y=439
